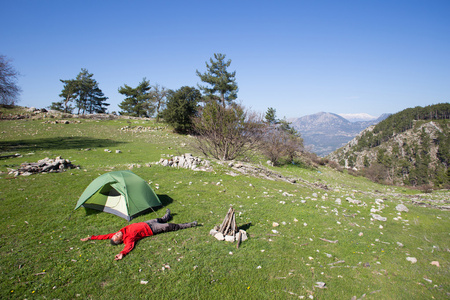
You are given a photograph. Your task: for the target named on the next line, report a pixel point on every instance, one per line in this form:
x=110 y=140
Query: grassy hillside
x=317 y=240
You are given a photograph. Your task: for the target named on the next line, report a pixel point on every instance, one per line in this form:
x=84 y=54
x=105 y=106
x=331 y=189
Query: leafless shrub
x=335 y=165
x=227 y=133
x=377 y=173
x=9 y=90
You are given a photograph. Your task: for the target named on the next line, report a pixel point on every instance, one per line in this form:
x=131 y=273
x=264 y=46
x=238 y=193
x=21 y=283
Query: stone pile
x=186 y=161
x=141 y=128
x=228 y=231
x=61 y=122
x=45 y=165
x=261 y=172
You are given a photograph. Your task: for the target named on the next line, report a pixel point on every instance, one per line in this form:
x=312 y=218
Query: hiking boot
x=166 y=217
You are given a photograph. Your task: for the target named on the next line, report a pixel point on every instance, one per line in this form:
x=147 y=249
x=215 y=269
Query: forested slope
x=411 y=147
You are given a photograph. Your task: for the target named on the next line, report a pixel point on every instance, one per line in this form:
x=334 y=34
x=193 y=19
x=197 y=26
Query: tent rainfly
x=122 y=193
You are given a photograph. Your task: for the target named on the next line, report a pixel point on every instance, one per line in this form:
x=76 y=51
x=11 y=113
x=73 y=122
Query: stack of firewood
x=228 y=230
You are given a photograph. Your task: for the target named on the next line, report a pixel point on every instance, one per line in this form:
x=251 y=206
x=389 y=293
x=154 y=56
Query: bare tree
x=159 y=98
x=9 y=90
x=281 y=142
x=227 y=133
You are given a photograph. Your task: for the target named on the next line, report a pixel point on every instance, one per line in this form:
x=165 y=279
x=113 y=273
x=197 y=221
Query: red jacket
x=131 y=234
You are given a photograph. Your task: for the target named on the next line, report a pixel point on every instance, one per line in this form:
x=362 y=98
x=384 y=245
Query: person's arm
x=129 y=245
x=102 y=237
x=98 y=237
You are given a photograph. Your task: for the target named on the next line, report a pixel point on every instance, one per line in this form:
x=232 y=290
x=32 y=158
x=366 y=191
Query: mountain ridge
x=324 y=132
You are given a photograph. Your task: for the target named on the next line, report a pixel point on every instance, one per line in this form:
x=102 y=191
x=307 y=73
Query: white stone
x=413 y=260
x=320 y=285
x=229 y=238
x=219 y=236
x=435 y=263
x=401 y=207
x=353 y=201
x=379 y=218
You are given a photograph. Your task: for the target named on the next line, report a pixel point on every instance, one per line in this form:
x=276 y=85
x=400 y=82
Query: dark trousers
x=160 y=225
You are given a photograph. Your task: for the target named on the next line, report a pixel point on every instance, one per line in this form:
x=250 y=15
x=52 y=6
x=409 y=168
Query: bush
x=181 y=108
x=279 y=144
x=226 y=133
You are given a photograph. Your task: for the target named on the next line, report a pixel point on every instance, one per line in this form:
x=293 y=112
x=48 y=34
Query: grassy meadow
x=317 y=241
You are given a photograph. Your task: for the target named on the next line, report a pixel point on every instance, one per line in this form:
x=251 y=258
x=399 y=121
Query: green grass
x=41 y=255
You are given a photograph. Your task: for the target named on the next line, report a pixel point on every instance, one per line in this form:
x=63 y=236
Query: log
x=238 y=239
x=229 y=218
x=225 y=221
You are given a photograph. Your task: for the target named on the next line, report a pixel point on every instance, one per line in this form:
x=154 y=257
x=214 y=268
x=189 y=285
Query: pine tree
x=68 y=93
x=84 y=92
x=220 y=80
x=137 y=102
x=271 y=116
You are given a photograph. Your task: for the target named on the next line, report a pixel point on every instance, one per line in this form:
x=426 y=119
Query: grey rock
x=379 y=218
x=229 y=238
x=219 y=236
x=401 y=207
x=353 y=201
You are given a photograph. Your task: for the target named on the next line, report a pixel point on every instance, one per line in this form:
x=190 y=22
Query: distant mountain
x=411 y=147
x=358 y=117
x=325 y=132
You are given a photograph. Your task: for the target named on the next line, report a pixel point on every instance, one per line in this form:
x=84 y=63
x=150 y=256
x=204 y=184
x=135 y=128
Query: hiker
x=134 y=232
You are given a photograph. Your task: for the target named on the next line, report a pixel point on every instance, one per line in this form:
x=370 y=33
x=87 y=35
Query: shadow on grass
x=245 y=226
x=56 y=143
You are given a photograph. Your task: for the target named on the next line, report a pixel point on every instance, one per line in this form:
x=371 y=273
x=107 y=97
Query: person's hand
x=119 y=256
x=84 y=239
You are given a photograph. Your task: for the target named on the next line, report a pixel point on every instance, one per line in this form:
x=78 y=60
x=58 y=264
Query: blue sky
x=299 y=57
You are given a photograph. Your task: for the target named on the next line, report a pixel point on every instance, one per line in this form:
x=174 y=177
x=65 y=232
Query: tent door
x=116 y=201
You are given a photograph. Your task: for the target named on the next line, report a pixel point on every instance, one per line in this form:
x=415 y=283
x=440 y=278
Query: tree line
x=402 y=121
x=223 y=128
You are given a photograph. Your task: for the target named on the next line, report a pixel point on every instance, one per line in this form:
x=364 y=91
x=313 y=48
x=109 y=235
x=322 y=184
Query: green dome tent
x=122 y=193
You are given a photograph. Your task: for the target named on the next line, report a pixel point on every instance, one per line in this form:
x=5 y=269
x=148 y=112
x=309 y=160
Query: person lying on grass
x=134 y=232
